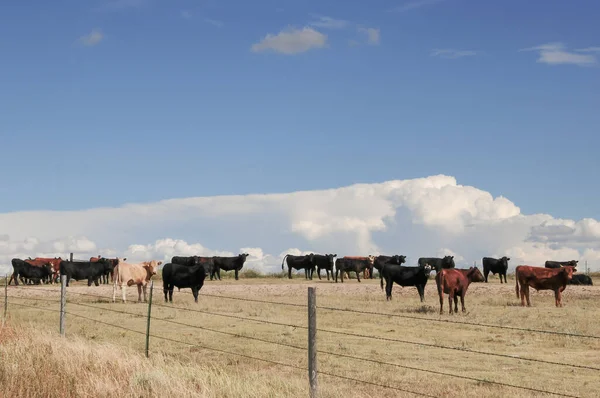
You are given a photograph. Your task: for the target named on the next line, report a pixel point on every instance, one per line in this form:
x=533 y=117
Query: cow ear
x=508 y=259
x=159 y=263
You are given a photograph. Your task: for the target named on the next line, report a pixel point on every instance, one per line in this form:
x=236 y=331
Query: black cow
x=183 y=276
x=580 y=279
x=228 y=264
x=437 y=263
x=306 y=262
x=405 y=276
x=495 y=266
x=558 y=264
x=26 y=271
x=207 y=262
x=79 y=270
x=380 y=261
x=325 y=262
x=353 y=264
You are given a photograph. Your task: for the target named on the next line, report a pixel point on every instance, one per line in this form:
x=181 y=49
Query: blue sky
x=106 y=102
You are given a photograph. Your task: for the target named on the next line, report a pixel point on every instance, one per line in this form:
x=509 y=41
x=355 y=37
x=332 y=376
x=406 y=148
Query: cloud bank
x=429 y=216
x=291 y=41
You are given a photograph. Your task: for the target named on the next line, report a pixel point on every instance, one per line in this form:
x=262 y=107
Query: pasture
x=115 y=357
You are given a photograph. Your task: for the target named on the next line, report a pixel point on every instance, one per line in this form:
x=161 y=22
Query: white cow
x=133 y=274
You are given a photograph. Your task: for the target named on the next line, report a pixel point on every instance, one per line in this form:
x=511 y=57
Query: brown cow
x=539 y=278
x=455 y=282
x=133 y=274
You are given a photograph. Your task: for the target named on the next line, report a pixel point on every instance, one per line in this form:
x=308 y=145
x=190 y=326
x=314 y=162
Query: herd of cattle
x=191 y=272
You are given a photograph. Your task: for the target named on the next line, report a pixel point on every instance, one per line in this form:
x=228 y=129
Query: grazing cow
x=349 y=264
x=581 y=279
x=325 y=262
x=380 y=261
x=139 y=274
x=558 y=264
x=228 y=264
x=495 y=266
x=542 y=279
x=183 y=276
x=455 y=282
x=208 y=263
x=110 y=272
x=306 y=262
x=404 y=276
x=78 y=270
x=24 y=270
x=438 y=263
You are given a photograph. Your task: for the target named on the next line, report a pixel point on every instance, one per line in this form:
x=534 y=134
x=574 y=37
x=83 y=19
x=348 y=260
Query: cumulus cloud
x=291 y=41
x=92 y=39
x=557 y=54
x=431 y=216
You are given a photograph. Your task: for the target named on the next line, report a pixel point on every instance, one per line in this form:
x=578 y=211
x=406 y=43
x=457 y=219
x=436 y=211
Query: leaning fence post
x=71 y=257
x=5 y=299
x=63 y=303
x=149 y=313
x=312 y=342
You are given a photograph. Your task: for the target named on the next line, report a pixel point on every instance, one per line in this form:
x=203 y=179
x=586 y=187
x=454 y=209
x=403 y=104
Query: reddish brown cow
x=41 y=261
x=455 y=282
x=539 y=278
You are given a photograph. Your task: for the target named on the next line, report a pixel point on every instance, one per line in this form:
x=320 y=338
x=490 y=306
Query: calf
x=581 y=279
x=438 y=263
x=228 y=264
x=183 y=276
x=558 y=264
x=455 y=282
x=306 y=262
x=352 y=264
x=404 y=276
x=133 y=274
x=495 y=266
x=24 y=270
x=79 y=270
x=325 y=262
x=542 y=279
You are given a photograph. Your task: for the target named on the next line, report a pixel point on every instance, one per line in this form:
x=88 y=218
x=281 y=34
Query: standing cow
x=228 y=264
x=438 y=263
x=208 y=263
x=23 y=270
x=542 y=279
x=183 y=276
x=306 y=262
x=78 y=270
x=404 y=276
x=325 y=262
x=380 y=261
x=349 y=264
x=139 y=274
x=495 y=266
x=455 y=282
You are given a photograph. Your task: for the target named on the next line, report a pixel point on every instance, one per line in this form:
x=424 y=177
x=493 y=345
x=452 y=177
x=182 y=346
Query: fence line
x=320 y=351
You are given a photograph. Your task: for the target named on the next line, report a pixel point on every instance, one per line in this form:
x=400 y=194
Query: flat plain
x=225 y=336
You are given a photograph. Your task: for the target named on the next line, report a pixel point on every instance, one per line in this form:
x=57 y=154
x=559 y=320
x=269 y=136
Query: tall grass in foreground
x=40 y=364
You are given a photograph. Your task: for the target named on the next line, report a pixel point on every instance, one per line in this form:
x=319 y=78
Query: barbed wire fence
x=311 y=349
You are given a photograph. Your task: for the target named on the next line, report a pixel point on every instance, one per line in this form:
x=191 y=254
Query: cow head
x=427 y=269
x=151 y=267
x=399 y=260
x=475 y=275
x=572 y=263
x=330 y=258
x=371 y=259
x=449 y=261
x=504 y=261
x=568 y=271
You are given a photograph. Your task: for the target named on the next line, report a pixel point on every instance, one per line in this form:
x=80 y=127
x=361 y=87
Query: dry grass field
x=104 y=361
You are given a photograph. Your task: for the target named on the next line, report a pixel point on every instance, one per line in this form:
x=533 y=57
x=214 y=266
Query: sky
x=151 y=126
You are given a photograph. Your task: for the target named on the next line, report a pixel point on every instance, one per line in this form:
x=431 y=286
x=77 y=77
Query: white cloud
x=214 y=22
x=373 y=35
x=431 y=216
x=451 y=54
x=557 y=54
x=328 y=22
x=412 y=5
x=291 y=41
x=589 y=50
x=89 y=40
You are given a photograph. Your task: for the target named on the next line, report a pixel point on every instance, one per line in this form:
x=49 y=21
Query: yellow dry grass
x=101 y=360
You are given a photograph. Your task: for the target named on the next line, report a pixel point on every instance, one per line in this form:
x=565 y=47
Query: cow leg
x=358 y=275
x=165 y=290
x=124 y=292
x=96 y=281
x=389 y=284
x=421 y=290
x=441 y=294
x=527 y=295
x=139 y=288
x=486 y=272
x=236 y=275
x=144 y=288
x=319 y=272
x=171 y=294
x=450 y=299
x=195 y=293
x=289 y=271
x=557 y=297
x=456 y=303
x=336 y=274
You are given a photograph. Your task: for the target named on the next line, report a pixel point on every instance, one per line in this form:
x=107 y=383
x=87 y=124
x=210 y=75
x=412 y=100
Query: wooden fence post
x=149 y=316
x=71 y=257
x=5 y=299
x=312 y=342
x=63 y=303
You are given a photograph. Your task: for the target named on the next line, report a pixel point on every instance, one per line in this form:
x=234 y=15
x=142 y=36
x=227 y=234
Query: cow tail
x=283 y=261
x=517 y=283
